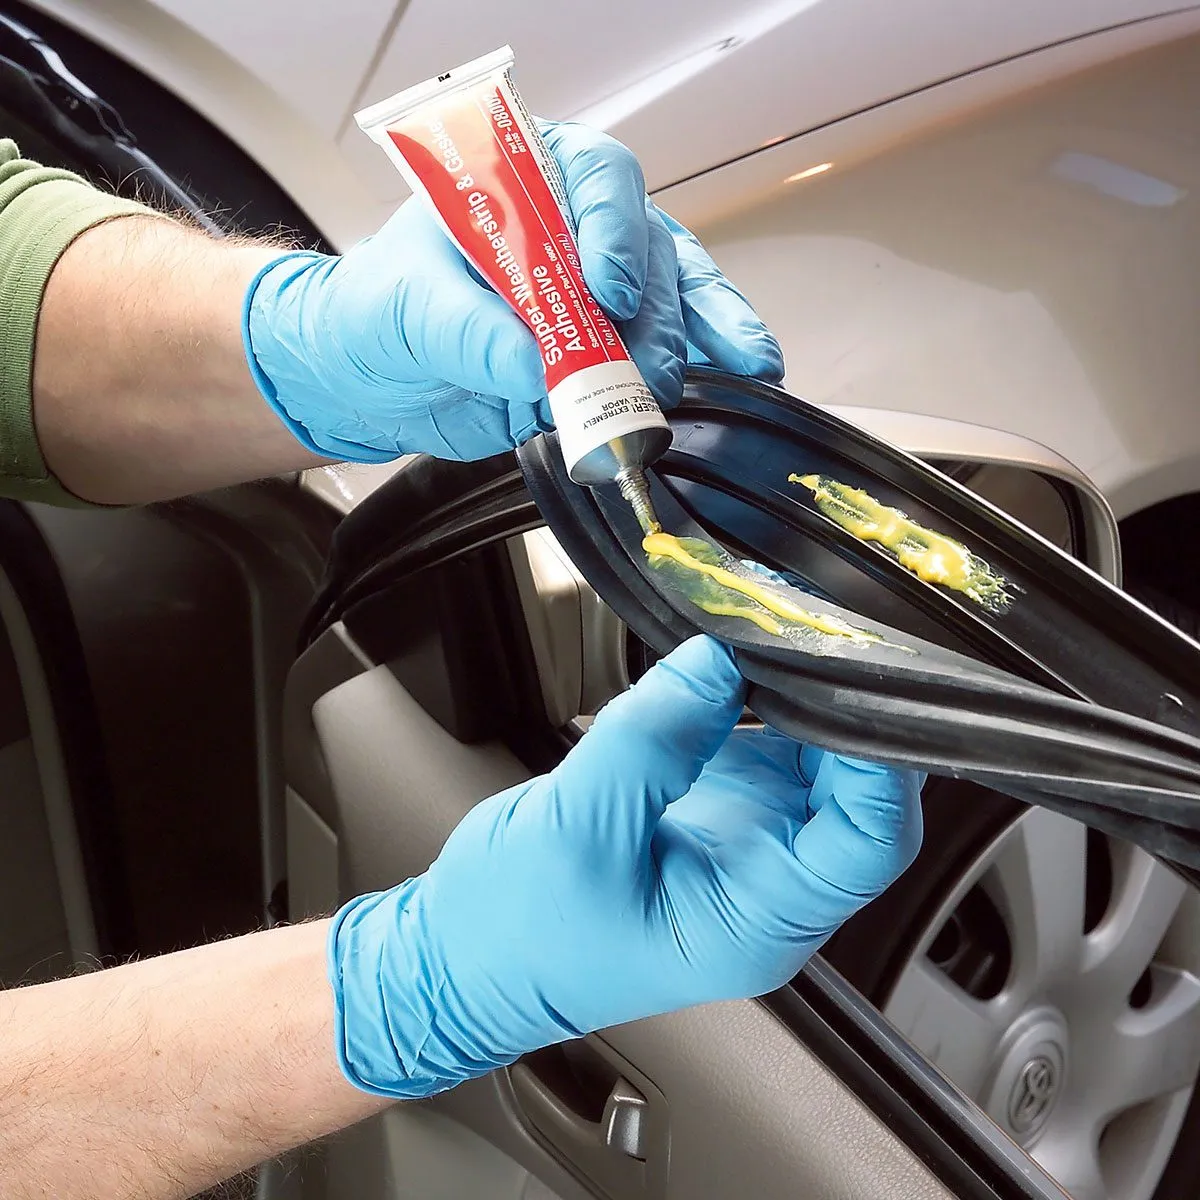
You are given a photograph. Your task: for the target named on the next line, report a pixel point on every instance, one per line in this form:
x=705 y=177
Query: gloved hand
x=666 y=862
x=396 y=347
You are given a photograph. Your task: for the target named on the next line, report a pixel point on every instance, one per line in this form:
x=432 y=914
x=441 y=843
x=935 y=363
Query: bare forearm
x=160 y=1078
x=141 y=388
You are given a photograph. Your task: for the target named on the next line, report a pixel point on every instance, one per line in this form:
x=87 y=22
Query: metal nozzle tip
x=636 y=493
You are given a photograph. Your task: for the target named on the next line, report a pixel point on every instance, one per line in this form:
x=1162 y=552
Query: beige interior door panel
x=746 y=1109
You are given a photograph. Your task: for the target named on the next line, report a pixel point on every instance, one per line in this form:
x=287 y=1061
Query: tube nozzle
x=636 y=493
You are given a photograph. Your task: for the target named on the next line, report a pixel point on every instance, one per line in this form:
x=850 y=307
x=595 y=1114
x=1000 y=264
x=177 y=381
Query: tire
x=881 y=948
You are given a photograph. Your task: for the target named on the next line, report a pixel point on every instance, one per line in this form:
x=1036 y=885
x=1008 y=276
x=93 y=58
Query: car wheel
x=1053 y=974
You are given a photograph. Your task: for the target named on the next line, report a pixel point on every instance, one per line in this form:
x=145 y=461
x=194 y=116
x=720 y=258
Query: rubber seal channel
x=423 y=513
x=1071 y=733
x=978 y=700
x=736 y=441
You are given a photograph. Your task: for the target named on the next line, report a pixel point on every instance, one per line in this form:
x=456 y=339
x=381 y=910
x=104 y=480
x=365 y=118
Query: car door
x=444 y=665
x=437 y=691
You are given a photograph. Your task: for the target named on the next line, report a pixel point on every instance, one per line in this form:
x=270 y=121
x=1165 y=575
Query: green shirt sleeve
x=42 y=210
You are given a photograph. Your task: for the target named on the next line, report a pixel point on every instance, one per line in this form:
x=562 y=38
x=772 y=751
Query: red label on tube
x=472 y=157
x=465 y=142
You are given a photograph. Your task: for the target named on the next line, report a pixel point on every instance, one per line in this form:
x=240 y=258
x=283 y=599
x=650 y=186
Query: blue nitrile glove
x=396 y=347
x=666 y=862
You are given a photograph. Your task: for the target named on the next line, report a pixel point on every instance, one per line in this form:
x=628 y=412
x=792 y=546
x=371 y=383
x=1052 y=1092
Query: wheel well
x=1159 y=545
x=222 y=177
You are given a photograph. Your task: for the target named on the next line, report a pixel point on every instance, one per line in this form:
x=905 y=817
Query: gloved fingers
x=822 y=771
x=865 y=832
x=471 y=338
x=768 y=744
x=526 y=420
x=655 y=337
x=743 y=808
x=723 y=330
x=766 y=762
x=648 y=746
x=455 y=328
x=607 y=194
x=494 y=422
x=812 y=759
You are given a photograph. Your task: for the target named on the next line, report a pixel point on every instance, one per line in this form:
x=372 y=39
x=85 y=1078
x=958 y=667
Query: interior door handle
x=582 y=1100
x=623 y=1122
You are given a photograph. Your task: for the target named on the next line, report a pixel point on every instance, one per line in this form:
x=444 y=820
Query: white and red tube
x=465 y=142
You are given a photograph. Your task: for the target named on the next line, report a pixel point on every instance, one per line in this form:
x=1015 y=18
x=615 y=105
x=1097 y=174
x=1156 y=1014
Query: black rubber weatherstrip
x=430 y=512
x=434 y=512
x=1072 y=696
x=737 y=441
x=958 y=1144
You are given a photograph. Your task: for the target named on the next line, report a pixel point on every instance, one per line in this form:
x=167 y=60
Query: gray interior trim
x=400 y=782
x=549 y=588
x=43 y=732
x=786 y=1126
x=34 y=944
x=279 y=556
x=331 y=660
x=413 y=1152
x=578 y=642
x=312 y=862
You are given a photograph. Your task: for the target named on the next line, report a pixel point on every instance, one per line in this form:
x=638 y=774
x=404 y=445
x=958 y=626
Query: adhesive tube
x=465 y=142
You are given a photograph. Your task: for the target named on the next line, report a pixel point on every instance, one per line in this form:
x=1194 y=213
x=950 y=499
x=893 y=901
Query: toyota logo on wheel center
x=1033 y=1095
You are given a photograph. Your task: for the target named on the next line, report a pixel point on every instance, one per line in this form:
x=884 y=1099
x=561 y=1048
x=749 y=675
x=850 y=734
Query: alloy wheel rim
x=1085 y=1046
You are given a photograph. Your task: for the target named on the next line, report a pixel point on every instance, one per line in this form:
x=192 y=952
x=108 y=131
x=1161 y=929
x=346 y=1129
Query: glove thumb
x=648 y=746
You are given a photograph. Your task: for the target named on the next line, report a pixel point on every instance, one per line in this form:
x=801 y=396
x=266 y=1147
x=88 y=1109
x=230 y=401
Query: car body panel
x=267 y=125
x=652 y=70
x=287 y=83
x=1034 y=267
x=312 y=55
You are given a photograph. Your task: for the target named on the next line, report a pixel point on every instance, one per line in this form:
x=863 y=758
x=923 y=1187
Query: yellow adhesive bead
x=930 y=556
